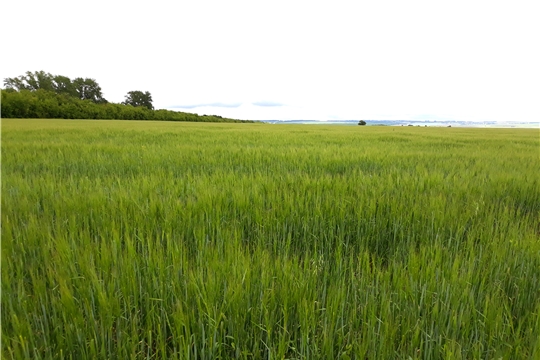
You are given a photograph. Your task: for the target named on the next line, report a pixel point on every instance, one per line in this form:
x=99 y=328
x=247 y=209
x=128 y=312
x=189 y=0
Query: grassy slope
x=197 y=240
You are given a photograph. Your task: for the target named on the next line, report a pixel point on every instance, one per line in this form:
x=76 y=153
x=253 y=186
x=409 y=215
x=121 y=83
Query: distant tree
x=31 y=81
x=64 y=85
x=49 y=105
x=139 y=98
x=39 y=80
x=88 y=89
x=17 y=83
x=84 y=89
x=361 y=122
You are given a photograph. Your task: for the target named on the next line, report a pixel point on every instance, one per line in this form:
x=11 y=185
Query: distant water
x=490 y=124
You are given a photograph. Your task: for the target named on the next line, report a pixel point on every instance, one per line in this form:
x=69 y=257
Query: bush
x=42 y=104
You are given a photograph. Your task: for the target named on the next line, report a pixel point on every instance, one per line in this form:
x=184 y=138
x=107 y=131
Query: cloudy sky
x=411 y=60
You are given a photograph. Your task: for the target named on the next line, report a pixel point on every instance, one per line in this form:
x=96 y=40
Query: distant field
x=167 y=240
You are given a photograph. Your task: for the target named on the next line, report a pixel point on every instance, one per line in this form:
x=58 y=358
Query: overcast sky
x=411 y=60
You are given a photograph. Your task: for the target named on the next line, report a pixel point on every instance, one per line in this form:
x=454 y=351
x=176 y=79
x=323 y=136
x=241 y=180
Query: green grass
x=205 y=241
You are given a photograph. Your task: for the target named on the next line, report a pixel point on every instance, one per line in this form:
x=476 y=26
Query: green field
x=160 y=240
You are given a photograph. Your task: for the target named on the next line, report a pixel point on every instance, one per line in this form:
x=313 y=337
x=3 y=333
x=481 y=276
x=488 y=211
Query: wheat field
x=160 y=240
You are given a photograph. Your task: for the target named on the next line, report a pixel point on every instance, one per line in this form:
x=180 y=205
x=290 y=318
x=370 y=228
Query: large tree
x=18 y=83
x=139 y=98
x=85 y=89
x=88 y=89
x=64 y=85
x=31 y=81
x=40 y=80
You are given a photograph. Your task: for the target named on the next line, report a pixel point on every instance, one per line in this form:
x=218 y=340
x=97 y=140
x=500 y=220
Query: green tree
x=18 y=83
x=31 y=81
x=361 y=122
x=64 y=85
x=139 y=98
x=39 y=80
x=88 y=89
x=84 y=89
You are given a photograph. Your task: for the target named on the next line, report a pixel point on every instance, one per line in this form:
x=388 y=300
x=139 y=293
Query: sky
x=283 y=60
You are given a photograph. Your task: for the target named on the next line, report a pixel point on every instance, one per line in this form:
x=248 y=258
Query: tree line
x=83 y=89
x=42 y=95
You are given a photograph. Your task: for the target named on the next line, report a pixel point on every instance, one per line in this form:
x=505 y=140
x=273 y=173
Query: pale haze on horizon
x=279 y=60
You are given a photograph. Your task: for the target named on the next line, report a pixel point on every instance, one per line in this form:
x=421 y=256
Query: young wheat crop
x=205 y=241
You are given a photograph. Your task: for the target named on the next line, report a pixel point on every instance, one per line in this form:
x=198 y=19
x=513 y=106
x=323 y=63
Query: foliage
x=46 y=105
x=180 y=240
x=139 y=98
x=84 y=89
x=88 y=89
x=31 y=81
x=64 y=86
x=42 y=95
x=361 y=122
